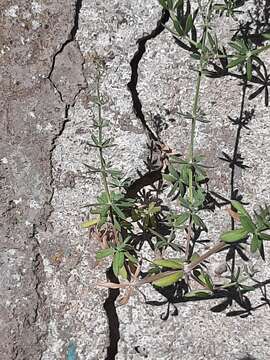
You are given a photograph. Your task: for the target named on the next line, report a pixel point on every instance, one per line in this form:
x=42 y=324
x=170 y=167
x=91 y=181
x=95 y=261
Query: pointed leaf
x=181 y=219
x=240 y=208
x=119 y=212
x=234 y=235
x=89 y=223
x=118 y=262
x=169 y=178
x=247 y=224
x=169 y=280
x=189 y=24
x=256 y=243
x=104 y=253
x=264 y=236
x=169 y=263
x=249 y=69
x=131 y=258
x=123 y=272
x=237 y=61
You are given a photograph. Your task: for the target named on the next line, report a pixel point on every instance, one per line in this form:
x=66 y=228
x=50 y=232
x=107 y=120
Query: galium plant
x=123 y=223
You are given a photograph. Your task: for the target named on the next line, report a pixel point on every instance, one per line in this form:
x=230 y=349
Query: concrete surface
x=49 y=301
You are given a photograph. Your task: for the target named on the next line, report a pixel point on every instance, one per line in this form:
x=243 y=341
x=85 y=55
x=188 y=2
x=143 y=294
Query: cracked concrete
x=49 y=301
x=32 y=117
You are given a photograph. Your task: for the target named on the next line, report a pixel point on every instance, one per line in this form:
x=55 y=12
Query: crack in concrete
x=134 y=63
x=149 y=178
x=38 y=268
x=71 y=36
x=113 y=321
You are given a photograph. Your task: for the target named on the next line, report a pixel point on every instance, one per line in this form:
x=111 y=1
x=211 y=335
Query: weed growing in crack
x=126 y=219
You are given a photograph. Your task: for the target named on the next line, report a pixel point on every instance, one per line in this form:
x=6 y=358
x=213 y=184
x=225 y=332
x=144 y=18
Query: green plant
x=123 y=224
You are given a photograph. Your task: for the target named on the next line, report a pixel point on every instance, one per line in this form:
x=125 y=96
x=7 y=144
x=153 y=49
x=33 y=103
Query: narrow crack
x=113 y=321
x=71 y=36
x=134 y=63
x=38 y=269
x=149 y=178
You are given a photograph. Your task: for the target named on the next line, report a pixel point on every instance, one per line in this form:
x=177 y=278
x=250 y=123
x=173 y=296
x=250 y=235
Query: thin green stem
x=191 y=156
x=195 y=109
x=101 y=156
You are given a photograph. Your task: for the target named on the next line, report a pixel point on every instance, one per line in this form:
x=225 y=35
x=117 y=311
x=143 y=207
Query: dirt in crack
x=113 y=321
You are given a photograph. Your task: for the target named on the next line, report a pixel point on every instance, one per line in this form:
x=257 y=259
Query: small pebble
x=221 y=268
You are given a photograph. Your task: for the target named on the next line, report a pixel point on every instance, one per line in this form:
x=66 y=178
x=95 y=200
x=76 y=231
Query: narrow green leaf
x=169 y=280
x=95 y=140
x=247 y=224
x=198 y=293
x=104 y=253
x=240 y=208
x=123 y=272
x=173 y=189
x=211 y=41
x=234 y=235
x=169 y=178
x=181 y=219
x=163 y=3
x=89 y=223
x=249 y=69
x=116 y=224
x=259 y=50
x=131 y=258
x=204 y=278
x=189 y=24
x=178 y=27
x=170 y=4
x=159 y=236
x=256 y=243
x=264 y=236
x=237 y=46
x=178 y=4
x=173 y=172
x=169 y=263
x=104 y=210
x=118 y=262
x=119 y=212
x=237 y=61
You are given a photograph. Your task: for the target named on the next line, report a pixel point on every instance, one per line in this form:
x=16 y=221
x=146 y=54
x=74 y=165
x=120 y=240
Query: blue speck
x=71 y=351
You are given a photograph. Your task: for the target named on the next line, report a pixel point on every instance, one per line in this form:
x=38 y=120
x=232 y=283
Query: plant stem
x=216 y=248
x=187 y=269
x=101 y=156
x=194 y=114
x=234 y=162
x=194 y=119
